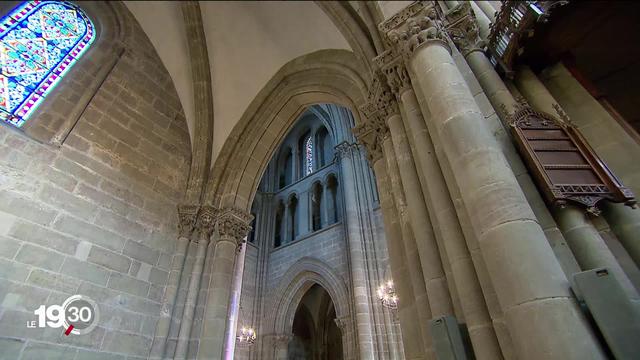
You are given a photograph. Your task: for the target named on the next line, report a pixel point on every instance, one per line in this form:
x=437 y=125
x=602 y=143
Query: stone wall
x=95 y=216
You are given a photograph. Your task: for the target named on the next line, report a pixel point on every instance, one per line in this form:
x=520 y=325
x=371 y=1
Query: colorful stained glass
x=308 y=156
x=39 y=42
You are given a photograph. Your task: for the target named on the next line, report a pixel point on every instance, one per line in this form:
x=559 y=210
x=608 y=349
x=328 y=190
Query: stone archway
x=293 y=286
x=326 y=76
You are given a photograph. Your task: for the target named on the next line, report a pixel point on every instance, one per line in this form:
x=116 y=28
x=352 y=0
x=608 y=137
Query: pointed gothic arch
x=298 y=279
x=326 y=76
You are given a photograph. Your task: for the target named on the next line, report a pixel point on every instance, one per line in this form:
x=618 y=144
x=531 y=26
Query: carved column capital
x=381 y=104
x=187 y=217
x=463 y=28
x=206 y=222
x=416 y=25
x=233 y=224
x=395 y=72
x=342 y=323
x=346 y=149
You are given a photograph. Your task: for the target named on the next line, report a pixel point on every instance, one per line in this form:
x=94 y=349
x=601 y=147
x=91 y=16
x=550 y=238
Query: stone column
x=280 y=345
x=585 y=241
x=442 y=213
x=361 y=291
x=531 y=287
x=464 y=32
x=410 y=256
x=187 y=216
x=234 y=306
x=205 y=227
x=435 y=281
x=232 y=226
x=289 y=233
x=324 y=209
x=610 y=141
x=625 y=223
x=487 y=9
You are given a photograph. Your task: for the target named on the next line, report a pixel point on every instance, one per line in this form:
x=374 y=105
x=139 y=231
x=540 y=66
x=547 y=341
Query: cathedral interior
x=321 y=180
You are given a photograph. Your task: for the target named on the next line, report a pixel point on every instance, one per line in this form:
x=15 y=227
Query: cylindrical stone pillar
x=187 y=216
x=234 y=306
x=625 y=223
x=609 y=140
x=589 y=247
x=585 y=241
x=232 y=226
x=411 y=253
x=413 y=337
x=363 y=311
x=531 y=288
x=442 y=210
x=504 y=103
x=487 y=9
x=435 y=281
x=205 y=227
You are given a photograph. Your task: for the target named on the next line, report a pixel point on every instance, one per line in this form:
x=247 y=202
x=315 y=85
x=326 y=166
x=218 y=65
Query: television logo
x=78 y=315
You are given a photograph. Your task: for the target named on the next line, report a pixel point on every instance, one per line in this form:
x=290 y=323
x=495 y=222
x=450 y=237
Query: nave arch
x=326 y=76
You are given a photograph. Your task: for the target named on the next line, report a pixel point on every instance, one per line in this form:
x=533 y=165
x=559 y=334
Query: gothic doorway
x=315 y=333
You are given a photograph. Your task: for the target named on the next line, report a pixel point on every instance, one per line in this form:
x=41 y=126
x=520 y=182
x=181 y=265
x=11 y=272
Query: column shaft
x=435 y=281
x=234 y=306
x=533 y=290
x=192 y=298
x=215 y=320
x=361 y=293
x=169 y=297
x=413 y=339
x=585 y=241
x=499 y=96
x=442 y=211
x=610 y=141
x=487 y=9
x=411 y=253
x=589 y=247
x=625 y=223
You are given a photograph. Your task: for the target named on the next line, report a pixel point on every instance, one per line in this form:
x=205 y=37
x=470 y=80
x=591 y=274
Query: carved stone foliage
x=342 y=323
x=414 y=26
x=187 y=216
x=234 y=224
x=206 y=221
x=380 y=105
x=395 y=72
x=463 y=28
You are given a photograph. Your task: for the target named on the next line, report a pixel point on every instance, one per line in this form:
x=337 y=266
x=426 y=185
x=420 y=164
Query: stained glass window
x=308 y=156
x=39 y=42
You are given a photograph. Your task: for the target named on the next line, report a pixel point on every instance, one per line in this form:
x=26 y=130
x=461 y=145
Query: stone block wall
x=95 y=216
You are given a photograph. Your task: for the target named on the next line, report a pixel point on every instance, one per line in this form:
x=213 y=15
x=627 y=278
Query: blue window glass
x=308 y=148
x=39 y=42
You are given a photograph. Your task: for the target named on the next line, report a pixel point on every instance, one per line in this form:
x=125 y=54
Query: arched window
x=308 y=156
x=277 y=241
x=286 y=172
x=305 y=148
x=332 y=205
x=292 y=223
x=41 y=41
x=324 y=148
x=316 y=207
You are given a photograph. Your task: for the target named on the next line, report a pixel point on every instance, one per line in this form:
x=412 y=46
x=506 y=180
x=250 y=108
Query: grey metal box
x=617 y=317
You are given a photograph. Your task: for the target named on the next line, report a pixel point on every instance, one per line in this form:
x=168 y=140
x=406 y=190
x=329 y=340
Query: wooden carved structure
x=564 y=166
x=514 y=23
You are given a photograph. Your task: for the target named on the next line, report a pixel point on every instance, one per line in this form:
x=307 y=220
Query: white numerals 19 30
x=54 y=315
